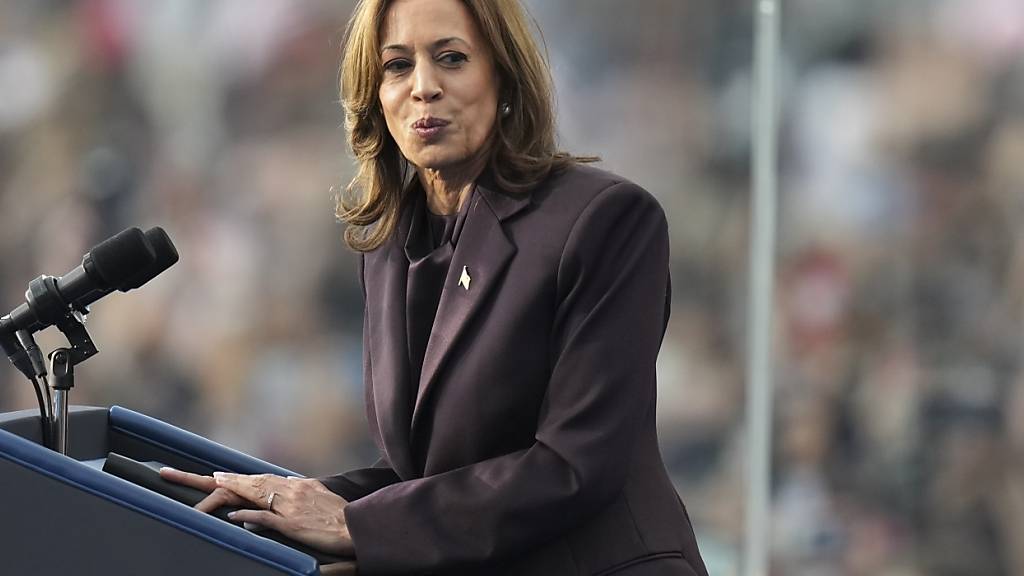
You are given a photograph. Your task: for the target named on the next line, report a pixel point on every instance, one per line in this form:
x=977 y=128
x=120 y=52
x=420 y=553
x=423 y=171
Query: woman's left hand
x=302 y=509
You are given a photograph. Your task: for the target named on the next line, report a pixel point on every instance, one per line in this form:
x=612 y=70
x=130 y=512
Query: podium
x=64 y=515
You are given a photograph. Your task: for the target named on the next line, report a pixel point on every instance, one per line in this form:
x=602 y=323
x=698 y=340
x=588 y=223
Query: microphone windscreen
x=121 y=257
x=166 y=256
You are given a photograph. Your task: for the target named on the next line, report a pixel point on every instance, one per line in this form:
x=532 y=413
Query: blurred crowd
x=899 y=405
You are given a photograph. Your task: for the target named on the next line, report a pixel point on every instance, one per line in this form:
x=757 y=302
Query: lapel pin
x=464 y=279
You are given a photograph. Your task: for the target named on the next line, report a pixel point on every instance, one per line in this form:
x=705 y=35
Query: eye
x=452 y=59
x=397 y=66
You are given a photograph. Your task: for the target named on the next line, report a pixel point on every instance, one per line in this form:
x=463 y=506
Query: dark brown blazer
x=528 y=446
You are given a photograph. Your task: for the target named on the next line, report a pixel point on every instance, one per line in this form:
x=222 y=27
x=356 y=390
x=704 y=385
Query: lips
x=429 y=128
x=428 y=123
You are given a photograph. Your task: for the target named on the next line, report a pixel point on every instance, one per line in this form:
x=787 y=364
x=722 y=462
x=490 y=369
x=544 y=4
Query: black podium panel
x=60 y=530
x=63 y=515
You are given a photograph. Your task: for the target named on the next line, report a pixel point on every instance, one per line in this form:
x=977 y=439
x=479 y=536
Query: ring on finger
x=270 y=501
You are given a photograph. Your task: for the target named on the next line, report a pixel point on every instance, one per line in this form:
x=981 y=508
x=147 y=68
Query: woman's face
x=439 y=91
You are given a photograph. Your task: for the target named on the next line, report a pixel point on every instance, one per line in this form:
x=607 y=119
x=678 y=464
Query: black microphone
x=122 y=262
x=166 y=256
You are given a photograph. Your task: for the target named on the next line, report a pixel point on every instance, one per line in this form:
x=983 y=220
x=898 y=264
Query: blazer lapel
x=483 y=251
x=386 y=274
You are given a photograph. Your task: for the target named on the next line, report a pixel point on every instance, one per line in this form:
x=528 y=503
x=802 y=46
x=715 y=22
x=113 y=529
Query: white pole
x=762 y=256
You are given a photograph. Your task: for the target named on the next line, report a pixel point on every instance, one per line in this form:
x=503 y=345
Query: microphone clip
x=72 y=325
x=50 y=310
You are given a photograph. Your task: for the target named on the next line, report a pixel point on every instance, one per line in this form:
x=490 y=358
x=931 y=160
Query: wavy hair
x=522 y=151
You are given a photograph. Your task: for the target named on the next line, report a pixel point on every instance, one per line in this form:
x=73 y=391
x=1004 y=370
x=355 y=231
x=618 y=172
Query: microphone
x=124 y=262
x=166 y=256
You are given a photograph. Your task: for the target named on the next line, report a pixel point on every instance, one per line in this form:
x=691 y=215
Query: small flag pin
x=464 y=279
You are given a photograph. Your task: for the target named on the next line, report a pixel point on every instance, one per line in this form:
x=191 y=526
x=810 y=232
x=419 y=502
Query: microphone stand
x=62 y=374
x=61 y=380
x=60 y=377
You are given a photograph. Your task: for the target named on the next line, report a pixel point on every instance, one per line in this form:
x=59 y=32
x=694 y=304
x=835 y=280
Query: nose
x=426 y=85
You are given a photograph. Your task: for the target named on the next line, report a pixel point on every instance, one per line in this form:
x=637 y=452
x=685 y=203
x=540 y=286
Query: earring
x=505 y=109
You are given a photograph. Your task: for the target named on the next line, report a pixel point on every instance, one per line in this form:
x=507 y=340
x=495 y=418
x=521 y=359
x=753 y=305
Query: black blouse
x=429 y=248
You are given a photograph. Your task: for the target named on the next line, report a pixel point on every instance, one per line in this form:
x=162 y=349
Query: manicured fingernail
x=232 y=514
x=218 y=475
x=167 y=469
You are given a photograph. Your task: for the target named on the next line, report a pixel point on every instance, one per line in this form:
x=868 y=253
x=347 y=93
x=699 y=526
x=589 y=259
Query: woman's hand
x=302 y=509
x=217 y=496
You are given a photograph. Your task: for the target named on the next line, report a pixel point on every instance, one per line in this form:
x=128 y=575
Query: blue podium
x=64 y=515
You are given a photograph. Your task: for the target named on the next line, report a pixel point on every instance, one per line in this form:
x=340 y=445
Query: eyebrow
x=433 y=46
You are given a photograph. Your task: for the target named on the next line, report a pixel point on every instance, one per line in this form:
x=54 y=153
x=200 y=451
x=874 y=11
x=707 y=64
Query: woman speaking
x=515 y=304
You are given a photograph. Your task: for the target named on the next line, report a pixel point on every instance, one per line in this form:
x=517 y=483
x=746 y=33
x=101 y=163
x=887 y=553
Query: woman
x=515 y=305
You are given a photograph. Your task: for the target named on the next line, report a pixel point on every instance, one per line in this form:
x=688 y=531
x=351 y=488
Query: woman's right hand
x=217 y=496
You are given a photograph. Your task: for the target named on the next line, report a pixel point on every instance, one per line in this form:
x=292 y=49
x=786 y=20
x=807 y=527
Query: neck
x=447 y=189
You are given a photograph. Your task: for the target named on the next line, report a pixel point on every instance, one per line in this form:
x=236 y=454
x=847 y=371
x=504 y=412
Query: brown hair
x=523 y=150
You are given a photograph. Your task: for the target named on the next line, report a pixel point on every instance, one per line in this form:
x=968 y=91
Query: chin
x=437 y=160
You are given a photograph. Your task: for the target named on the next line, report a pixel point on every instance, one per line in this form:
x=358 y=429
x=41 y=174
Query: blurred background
x=899 y=424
